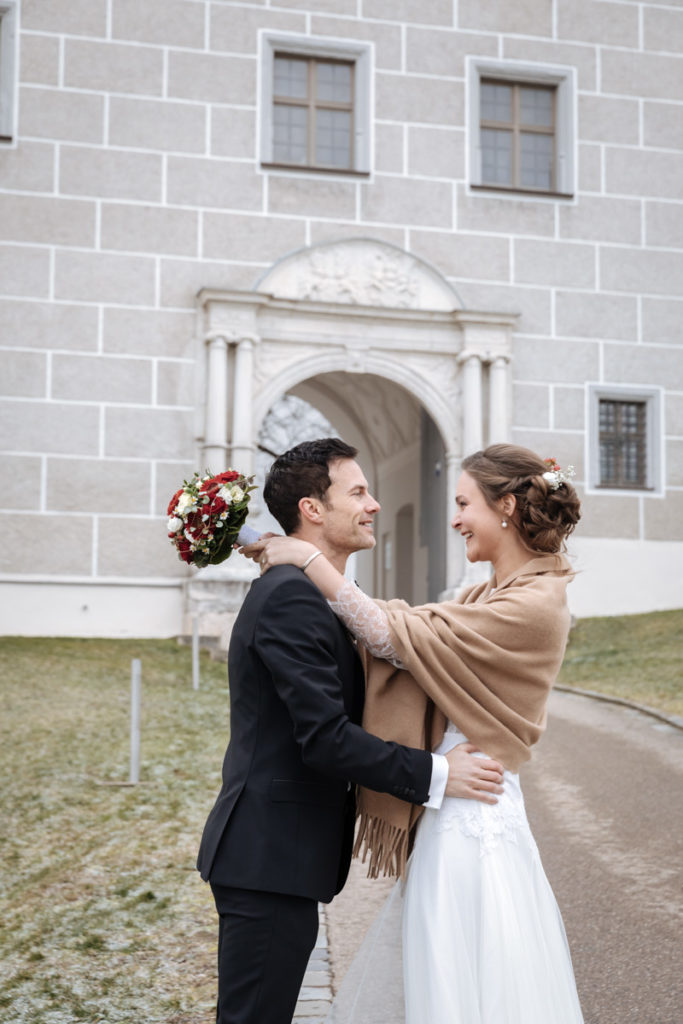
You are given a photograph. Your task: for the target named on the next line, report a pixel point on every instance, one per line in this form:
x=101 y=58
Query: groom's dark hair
x=302 y=472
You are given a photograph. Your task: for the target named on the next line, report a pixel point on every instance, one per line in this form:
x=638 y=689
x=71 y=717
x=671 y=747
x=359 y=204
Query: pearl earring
x=504 y=524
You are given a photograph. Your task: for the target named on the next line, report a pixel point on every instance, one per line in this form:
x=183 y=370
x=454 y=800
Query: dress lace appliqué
x=367 y=622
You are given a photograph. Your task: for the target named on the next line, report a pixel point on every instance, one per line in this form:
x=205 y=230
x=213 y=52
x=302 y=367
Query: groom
x=279 y=837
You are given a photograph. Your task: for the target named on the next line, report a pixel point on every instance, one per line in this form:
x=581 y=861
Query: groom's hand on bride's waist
x=474 y=778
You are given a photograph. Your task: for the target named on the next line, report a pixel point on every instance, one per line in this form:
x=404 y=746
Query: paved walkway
x=604 y=794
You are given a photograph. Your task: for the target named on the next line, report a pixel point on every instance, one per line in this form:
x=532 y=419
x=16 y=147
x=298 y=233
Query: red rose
x=227 y=477
x=173 y=502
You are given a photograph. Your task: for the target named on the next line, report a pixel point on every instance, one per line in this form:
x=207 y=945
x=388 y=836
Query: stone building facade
x=441 y=223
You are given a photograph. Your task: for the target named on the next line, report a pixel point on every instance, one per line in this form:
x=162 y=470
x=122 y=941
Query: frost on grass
x=104 y=918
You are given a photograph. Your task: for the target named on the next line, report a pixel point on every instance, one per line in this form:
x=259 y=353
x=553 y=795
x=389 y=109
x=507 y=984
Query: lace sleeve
x=367 y=622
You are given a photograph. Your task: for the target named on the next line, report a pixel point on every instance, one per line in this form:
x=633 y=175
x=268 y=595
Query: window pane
x=496 y=102
x=496 y=156
x=334 y=82
x=536 y=160
x=291 y=77
x=290 y=134
x=536 y=106
x=333 y=138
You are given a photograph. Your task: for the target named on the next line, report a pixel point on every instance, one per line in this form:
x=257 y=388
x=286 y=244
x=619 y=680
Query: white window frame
x=654 y=434
x=361 y=54
x=9 y=65
x=519 y=72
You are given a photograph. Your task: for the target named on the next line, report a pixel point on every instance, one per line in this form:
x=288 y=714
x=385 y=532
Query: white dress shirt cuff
x=437 y=786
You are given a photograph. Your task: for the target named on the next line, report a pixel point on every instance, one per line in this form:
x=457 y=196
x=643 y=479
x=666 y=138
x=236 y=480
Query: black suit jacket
x=283 y=821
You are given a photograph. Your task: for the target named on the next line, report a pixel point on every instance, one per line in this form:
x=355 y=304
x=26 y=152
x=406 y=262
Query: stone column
x=472 y=427
x=242 y=448
x=498 y=400
x=454 y=544
x=215 y=448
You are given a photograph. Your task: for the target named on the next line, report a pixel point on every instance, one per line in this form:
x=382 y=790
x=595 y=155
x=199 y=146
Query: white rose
x=224 y=493
x=237 y=493
x=174 y=524
x=185 y=502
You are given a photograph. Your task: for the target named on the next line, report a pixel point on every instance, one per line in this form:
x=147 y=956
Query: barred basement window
x=313 y=112
x=517 y=134
x=623 y=444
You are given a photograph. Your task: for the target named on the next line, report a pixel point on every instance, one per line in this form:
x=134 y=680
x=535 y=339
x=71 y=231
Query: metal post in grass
x=195 y=652
x=135 y=675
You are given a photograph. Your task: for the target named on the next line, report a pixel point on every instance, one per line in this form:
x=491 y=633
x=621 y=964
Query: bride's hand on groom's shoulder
x=473 y=778
x=256 y=548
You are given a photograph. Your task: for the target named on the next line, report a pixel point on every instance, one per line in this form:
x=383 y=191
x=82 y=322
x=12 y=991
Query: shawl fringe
x=387 y=844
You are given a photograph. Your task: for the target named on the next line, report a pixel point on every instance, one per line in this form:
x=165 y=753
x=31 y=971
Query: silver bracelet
x=309 y=560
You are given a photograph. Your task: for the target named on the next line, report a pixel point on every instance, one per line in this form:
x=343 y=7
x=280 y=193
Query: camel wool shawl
x=485 y=662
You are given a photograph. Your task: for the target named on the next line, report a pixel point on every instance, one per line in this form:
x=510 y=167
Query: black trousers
x=264 y=942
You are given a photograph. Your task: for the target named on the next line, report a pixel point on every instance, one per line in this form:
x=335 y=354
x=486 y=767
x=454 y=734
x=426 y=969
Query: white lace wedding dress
x=482 y=937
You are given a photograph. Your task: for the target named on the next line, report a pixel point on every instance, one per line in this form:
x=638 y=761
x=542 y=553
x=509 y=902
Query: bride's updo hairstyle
x=544 y=516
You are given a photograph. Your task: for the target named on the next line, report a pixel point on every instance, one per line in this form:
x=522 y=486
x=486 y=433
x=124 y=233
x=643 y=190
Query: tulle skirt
x=482 y=937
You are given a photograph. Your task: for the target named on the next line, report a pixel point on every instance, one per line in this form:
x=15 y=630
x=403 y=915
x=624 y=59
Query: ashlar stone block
x=565 y=447
x=113 y=67
x=662 y=29
x=239 y=34
x=644 y=365
x=408 y=201
x=311 y=196
x=148 y=433
x=663 y=125
x=557 y=362
x=49 y=427
x=640 y=270
x=536 y=51
x=596 y=22
x=568 y=408
x=664 y=224
x=21 y=481
x=594 y=315
x=48 y=325
x=609 y=516
x=151 y=229
x=160 y=22
x=644 y=172
x=211 y=78
x=332 y=231
x=644 y=75
x=527 y=17
x=662 y=320
x=56 y=544
x=554 y=263
x=157 y=124
x=436 y=152
x=389 y=148
x=182 y=279
x=532 y=305
x=531 y=406
x=409 y=98
x=23 y=374
x=193 y=181
x=98 y=485
x=80 y=17
x=674 y=463
x=175 y=383
x=28 y=168
x=233 y=132
x=127 y=543
x=24 y=271
x=664 y=517
x=385 y=36
x=609 y=119
x=601 y=219
x=47 y=221
x=482 y=211
x=437 y=12
x=462 y=255
x=101 y=378
x=226 y=235
x=148 y=332
x=62 y=115
x=105 y=277
x=39 y=59
x=110 y=174
x=673 y=413
x=436 y=52
x=590 y=167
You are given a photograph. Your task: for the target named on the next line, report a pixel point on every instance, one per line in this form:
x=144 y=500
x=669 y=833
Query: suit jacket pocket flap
x=293 y=791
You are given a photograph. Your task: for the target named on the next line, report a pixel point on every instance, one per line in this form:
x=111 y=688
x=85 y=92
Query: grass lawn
x=636 y=657
x=103 y=917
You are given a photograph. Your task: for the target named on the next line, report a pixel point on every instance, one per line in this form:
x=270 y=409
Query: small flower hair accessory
x=206 y=514
x=557 y=476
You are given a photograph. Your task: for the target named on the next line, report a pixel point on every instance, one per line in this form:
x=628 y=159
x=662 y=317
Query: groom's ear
x=311 y=510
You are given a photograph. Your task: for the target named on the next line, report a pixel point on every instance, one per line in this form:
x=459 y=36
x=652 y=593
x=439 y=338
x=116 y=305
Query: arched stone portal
x=376 y=338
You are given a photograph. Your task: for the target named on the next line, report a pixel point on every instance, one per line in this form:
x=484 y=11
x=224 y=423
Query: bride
x=483 y=939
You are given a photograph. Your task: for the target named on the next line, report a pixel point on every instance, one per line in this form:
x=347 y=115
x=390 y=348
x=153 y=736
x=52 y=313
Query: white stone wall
x=133 y=183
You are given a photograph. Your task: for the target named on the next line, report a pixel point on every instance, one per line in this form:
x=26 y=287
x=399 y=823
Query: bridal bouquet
x=206 y=515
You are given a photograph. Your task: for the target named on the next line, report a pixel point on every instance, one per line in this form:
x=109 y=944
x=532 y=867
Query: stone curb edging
x=315 y=997
x=674 y=720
